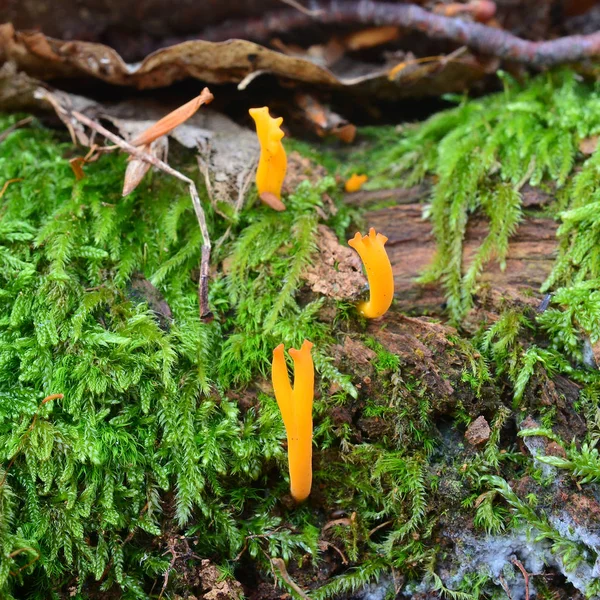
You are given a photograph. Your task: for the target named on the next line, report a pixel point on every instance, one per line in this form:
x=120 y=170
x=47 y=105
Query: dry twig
x=278 y=564
x=504 y=586
x=481 y=38
x=7 y=183
x=20 y=551
x=519 y=565
x=15 y=126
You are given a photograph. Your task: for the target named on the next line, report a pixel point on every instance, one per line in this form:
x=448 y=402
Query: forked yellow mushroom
x=295 y=404
x=273 y=160
x=379 y=273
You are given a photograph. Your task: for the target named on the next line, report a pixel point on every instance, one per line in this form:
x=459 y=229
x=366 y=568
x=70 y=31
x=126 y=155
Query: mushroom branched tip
x=272 y=164
x=379 y=272
x=296 y=404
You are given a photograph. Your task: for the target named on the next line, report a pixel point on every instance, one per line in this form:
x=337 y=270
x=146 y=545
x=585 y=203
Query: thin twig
x=303 y=9
x=205 y=313
x=380 y=526
x=278 y=564
x=174 y=557
x=327 y=544
x=519 y=565
x=504 y=586
x=7 y=183
x=15 y=126
x=481 y=38
x=19 y=551
x=254 y=537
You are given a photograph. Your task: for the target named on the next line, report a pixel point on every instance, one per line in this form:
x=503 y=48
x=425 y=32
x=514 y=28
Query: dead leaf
x=173 y=119
x=217 y=62
x=373 y=36
x=323 y=120
x=77 y=166
x=136 y=168
x=227 y=152
x=64 y=104
x=345 y=521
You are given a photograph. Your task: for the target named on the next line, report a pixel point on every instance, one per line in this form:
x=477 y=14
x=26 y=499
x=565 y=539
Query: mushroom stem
x=379 y=273
x=295 y=404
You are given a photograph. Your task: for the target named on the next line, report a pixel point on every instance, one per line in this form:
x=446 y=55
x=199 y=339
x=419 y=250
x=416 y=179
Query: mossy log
x=411 y=247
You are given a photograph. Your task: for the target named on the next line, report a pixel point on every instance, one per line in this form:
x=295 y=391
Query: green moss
x=385 y=361
x=150 y=441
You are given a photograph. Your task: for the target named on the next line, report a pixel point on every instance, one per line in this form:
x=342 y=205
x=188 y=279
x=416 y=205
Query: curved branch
x=482 y=38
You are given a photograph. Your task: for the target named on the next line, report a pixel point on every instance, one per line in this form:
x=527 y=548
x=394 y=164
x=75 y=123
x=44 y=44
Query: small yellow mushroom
x=355 y=182
x=379 y=273
x=273 y=160
x=296 y=405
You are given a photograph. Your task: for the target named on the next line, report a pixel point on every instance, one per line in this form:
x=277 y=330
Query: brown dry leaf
x=136 y=168
x=173 y=119
x=373 y=36
x=77 y=166
x=16 y=89
x=227 y=152
x=217 y=62
x=323 y=120
x=343 y=522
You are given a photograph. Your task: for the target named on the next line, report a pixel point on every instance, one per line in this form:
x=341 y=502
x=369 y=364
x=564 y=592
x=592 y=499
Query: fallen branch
x=482 y=38
x=205 y=313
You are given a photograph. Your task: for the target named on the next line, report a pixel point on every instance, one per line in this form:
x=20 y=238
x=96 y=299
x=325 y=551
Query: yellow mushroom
x=355 y=182
x=379 y=273
x=295 y=404
x=273 y=160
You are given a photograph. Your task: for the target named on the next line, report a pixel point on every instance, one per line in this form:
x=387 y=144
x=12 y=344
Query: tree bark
x=411 y=247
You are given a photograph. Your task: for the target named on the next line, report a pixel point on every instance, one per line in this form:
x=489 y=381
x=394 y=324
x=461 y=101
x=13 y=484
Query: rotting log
x=412 y=248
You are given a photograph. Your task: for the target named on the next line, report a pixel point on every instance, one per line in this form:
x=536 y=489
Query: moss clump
x=162 y=430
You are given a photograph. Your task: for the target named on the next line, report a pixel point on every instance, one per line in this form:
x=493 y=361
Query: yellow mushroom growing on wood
x=272 y=164
x=295 y=404
x=379 y=273
x=354 y=183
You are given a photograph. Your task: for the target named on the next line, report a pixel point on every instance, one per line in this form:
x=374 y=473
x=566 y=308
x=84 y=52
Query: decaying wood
x=411 y=247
